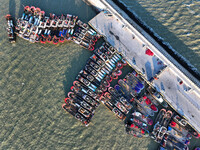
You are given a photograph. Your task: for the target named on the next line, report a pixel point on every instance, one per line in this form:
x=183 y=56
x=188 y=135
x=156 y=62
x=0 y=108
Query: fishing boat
x=80 y=102
x=142 y=118
x=135 y=130
x=117 y=104
x=55 y=40
x=105 y=83
x=180 y=120
x=127 y=89
x=166 y=118
x=114 y=92
x=160 y=116
x=88 y=76
x=157 y=96
x=43 y=39
x=86 y=83
x=122 y=92
x=87 y=98
x=110 y=106
x=92 y=71
x=108 y=78
x=81 y=88
x=101 y=63
x=160 y=134
x=82 y=25
x=179 y=134
x=118 y=72
x=172 y=143
x=137 y=122
x=94 y=65
x=10 y=28
x=119 y=65
x=73 y=111
x=148 y=108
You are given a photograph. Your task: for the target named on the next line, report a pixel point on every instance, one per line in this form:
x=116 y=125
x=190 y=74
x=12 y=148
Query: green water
x=34 y=80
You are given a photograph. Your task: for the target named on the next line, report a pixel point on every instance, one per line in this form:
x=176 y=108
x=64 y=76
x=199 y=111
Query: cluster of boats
x=34 y=26
x=132 y=99
x=92 y=83
x=137 y=103
x=122 y=99
x=172 y=131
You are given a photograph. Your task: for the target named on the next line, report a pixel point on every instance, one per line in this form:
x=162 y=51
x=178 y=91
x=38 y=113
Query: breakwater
x=140 y=40
x=182 y=63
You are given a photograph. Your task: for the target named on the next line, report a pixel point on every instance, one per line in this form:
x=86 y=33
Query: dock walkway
x=180 y=92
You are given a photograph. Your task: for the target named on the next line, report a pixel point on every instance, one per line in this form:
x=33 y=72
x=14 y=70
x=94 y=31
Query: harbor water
x=35 y=78
x=176 y=22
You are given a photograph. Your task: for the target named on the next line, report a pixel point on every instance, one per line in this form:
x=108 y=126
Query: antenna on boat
x=23 y=5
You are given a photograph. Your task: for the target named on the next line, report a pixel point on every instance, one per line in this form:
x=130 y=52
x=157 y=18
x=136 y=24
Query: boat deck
x=183 y=97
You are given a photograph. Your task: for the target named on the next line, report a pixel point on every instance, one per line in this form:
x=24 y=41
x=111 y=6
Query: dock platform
x=179 y=91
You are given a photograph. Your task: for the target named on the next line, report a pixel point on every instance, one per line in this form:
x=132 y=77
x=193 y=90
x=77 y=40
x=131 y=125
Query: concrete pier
x=177 y=85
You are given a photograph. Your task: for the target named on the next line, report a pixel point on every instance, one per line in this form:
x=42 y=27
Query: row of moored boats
x=34 y=26
x=93 y=81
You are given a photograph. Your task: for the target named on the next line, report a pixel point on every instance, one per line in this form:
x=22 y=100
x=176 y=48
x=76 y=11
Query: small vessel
x=55 y=40
x=78 y=87
x=73 y=111
x=141 y=117
x=86 y=82
x=117 y=103
x=82 y=25
x=110 y=106
x=108 y=78
x=88 y=76
x=94 y=72
x=125 y=103
x=166 y=119
x=80 y=102
x=135 y=130
x=10 y=28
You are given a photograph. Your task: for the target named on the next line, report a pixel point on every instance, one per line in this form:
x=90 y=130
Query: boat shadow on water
x=76 y=65
x=12 y=8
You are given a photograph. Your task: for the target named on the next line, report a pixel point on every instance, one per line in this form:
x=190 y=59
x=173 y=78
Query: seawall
x=185 y=103
x=179 y=61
